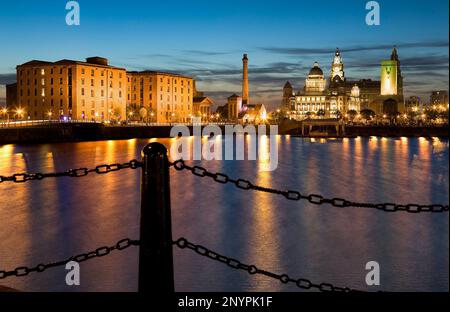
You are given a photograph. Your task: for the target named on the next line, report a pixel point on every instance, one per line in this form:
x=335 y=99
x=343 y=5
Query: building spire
x=394 y=55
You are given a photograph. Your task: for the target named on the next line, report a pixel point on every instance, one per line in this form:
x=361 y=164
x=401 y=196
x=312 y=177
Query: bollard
x=155 y=258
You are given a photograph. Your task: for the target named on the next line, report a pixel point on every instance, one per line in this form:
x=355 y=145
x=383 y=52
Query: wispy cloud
x=357 y=48
x=7 y=78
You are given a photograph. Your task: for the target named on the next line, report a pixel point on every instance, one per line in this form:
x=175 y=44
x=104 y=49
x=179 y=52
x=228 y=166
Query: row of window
x=102 y=93
x=83 y=72
x=175 y=81
x=311 y=99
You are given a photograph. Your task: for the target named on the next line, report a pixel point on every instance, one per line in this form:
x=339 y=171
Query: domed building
x=313 y=100
x=315 y=81
x=317 y=99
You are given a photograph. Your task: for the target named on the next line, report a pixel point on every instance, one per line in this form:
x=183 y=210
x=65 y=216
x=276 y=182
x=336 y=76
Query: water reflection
x=55 y=218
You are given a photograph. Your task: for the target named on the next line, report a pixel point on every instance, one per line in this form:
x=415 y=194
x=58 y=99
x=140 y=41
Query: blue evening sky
x=206 y=39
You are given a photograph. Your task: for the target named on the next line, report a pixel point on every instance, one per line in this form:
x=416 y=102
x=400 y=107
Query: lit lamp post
x=130 y=115
x=19 y=113
x=5 y=114
x=49 y=114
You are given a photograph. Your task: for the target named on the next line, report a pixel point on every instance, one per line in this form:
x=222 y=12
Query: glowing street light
x=19 y=112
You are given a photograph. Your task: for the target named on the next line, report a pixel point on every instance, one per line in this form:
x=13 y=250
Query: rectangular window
x=92 y=82
x=60 y=91
x=82 y=71
x=43 y=92
x=92 y=72
x=92 y=93
x=82 y=91
x=43 y=81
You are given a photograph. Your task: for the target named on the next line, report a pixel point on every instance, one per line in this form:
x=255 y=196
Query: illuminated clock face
x=388 y=70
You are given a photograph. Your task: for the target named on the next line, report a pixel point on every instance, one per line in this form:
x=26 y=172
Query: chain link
x=99 y=252
x=315 y=199
x=303 y=283
x=73 y=173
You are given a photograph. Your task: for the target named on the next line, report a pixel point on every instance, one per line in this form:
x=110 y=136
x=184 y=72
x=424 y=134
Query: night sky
x=206 y=40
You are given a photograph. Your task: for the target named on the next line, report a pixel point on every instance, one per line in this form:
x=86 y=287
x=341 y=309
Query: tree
x=432 y=114
x=352 y=114
x=367 y=114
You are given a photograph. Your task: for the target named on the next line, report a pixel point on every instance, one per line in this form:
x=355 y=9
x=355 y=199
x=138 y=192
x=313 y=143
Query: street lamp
x=49 y=114
x=19 y=112
x=5 y=114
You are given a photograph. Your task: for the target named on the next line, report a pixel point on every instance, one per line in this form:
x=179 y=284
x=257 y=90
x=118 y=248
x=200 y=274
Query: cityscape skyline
x=212 y=56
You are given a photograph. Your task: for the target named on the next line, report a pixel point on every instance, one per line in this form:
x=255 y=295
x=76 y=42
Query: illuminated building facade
x=335 y=97
x=166 y=97
x=439 y=98
x=91 y=90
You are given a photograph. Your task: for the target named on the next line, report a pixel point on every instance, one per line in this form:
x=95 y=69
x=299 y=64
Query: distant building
x=166 y=96
x=202 y=106
x=222 y=111
x=66 y=89
x=234 y=106
x=288 y=92
x=11 y=96
x=413 y=104
x=391 y=91
x=337 y=96
x=439 y=98
x=253 y=113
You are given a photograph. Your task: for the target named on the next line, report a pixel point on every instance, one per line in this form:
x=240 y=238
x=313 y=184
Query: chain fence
x=98 y=253
x=183 y=243
x=303 y=283
x=73 y=173
x=315 y=199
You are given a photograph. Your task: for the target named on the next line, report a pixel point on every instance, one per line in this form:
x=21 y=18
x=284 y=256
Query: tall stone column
x=245 y=99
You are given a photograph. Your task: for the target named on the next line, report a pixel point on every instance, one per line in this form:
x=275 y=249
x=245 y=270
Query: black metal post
x=155 y=258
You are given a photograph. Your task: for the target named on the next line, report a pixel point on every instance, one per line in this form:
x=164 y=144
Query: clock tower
x=337 y=68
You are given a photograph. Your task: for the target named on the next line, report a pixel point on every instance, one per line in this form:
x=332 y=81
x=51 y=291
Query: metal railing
x=156 y=241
